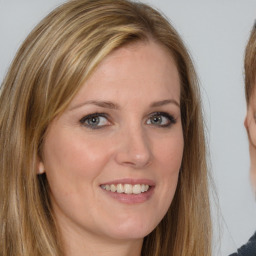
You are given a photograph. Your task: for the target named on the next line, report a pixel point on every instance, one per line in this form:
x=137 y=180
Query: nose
x=134 y=149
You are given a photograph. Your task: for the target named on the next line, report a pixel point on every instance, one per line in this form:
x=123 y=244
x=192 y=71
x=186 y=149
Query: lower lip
x=131 y=198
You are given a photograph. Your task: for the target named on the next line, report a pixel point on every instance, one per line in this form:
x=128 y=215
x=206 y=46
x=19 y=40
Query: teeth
x=136 y=189
x=120 y=188
x=113 y=188
x=126 y=188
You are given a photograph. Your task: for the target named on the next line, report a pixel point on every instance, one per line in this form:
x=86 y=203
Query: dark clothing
x=248 y=249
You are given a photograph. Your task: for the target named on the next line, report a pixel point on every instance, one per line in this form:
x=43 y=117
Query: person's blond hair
x=48 y=70
x=250 y=65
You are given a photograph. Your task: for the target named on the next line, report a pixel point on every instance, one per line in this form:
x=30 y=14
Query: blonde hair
x=48 y=70
x=250 y=65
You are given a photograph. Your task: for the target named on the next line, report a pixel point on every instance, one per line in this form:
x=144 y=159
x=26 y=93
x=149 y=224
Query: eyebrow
x=111 y=105
x=164 y=102
x=102 y=104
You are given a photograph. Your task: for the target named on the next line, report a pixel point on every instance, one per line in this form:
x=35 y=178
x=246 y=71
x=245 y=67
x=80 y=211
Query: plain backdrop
x=215 y=32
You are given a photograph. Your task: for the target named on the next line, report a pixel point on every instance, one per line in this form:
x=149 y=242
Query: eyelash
x=85 y=120
x=171 y=119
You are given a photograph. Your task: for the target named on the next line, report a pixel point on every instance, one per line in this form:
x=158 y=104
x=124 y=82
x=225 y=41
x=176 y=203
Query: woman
x=249 y=249
x=103 y=148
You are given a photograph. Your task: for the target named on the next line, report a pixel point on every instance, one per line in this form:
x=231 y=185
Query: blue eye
x=161 y=119
x=94 y=121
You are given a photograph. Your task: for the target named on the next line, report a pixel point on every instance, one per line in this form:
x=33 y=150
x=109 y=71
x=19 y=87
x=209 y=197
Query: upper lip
x=130 y=181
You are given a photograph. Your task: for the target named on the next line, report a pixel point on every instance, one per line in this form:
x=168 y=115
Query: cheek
x=72 y=155
x=170 y=158
x=170 y=153
x=252 y=130
x=72 y=163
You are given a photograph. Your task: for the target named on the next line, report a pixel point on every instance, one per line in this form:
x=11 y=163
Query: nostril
x=133 y=159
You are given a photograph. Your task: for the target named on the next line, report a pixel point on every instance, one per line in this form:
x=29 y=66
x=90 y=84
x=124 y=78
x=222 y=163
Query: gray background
x=216 y=32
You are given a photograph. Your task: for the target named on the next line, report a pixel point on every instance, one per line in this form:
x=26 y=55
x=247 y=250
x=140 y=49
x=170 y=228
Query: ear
x=246 y=123
x=250 y=125
x=40 y=167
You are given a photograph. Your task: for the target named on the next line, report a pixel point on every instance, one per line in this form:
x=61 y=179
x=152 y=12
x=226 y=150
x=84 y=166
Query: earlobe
x=40 y=169
x=246 y=123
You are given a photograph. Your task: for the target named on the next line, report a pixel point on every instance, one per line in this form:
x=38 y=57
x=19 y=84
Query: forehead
x=147 y=55
x=147 y=49
x=137 y=68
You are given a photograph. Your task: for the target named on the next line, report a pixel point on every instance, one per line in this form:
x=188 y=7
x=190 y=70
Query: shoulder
x=249 y=249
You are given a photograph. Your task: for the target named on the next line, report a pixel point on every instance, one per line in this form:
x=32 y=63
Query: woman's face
x=112 y=159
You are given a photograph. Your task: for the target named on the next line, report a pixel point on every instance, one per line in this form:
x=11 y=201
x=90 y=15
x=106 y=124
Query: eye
x=161 y=119
x=95 y=121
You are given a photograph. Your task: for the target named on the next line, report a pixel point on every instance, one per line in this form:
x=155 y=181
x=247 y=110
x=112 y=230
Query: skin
x=127 y=144
x=250 y=125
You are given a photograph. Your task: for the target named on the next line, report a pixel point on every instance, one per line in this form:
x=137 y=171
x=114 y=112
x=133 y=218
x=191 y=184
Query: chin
x=134 y=235
x=135 y=230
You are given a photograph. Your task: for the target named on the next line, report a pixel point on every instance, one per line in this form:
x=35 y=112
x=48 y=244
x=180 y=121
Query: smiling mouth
x=126 y=188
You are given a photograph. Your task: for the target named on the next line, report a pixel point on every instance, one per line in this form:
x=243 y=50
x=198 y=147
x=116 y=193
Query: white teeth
x=120 y=188
x=136 y=189
x=113 y=188
x=126 y=188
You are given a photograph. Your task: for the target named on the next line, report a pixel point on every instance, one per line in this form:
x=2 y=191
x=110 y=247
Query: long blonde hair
x=48 y=70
